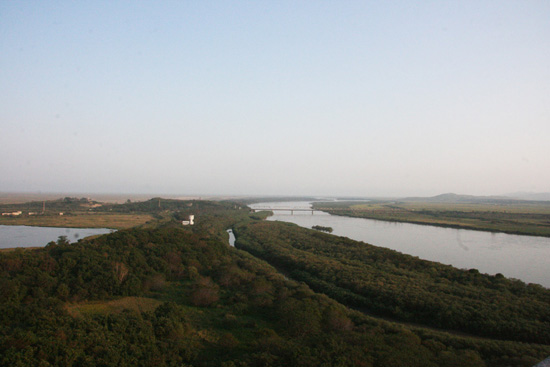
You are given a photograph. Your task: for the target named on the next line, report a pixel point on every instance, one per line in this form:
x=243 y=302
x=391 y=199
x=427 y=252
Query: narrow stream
x=231 y=238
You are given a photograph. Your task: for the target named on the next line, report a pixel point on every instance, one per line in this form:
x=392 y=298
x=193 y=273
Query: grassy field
x=211 y=323
x=85 y=220
x=521 y=218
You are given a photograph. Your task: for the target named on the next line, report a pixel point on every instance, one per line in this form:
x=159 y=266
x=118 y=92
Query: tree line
x=388 y=283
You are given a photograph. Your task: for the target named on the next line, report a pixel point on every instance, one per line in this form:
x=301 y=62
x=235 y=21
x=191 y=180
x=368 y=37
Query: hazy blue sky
x=275 y=97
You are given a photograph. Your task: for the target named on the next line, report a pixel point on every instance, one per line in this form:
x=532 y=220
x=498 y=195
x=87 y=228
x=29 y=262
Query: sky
x=335 y=98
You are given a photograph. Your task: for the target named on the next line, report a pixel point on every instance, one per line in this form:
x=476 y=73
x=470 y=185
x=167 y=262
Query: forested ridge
x=204 y=303
x=388 y=283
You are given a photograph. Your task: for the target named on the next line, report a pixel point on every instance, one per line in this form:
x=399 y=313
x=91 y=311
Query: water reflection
x=27 y=236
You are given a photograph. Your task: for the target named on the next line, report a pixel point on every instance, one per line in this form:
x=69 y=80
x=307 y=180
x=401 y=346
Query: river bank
x=522 y=219
x=515 y=256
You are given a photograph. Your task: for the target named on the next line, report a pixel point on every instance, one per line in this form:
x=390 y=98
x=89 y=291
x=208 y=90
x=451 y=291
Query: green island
x=455 y=211
x=322 y=229
x=160 y=293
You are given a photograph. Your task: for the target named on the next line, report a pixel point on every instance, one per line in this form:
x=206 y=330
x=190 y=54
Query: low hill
x=457 y=198
x=535 y=196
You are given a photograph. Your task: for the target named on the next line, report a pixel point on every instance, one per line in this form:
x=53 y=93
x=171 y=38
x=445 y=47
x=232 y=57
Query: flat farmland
x=515 y=218
x=85 y=220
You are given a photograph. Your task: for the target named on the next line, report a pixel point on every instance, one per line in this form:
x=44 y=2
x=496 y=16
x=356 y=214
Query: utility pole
x=43 y=206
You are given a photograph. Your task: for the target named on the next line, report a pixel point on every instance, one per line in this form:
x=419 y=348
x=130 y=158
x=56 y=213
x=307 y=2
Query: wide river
x=27 y=236
x=522 y=257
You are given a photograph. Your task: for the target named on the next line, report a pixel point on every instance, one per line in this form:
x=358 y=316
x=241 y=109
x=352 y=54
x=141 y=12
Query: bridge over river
x=282 y=209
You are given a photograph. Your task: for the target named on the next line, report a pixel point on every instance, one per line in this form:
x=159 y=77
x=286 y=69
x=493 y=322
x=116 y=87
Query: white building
x=189 y=222
x=13 y=214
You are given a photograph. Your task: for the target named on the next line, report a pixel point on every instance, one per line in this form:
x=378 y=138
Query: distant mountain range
x=537 y=196
x=456 y=198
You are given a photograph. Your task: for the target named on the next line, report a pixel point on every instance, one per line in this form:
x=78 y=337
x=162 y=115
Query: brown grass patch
x=100 y=220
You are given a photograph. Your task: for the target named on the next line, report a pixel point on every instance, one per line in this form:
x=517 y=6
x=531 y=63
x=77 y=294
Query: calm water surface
x=27 y=236
x=521 y=257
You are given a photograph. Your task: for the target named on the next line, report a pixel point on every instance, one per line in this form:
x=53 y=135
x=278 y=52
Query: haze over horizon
x=287 y=98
